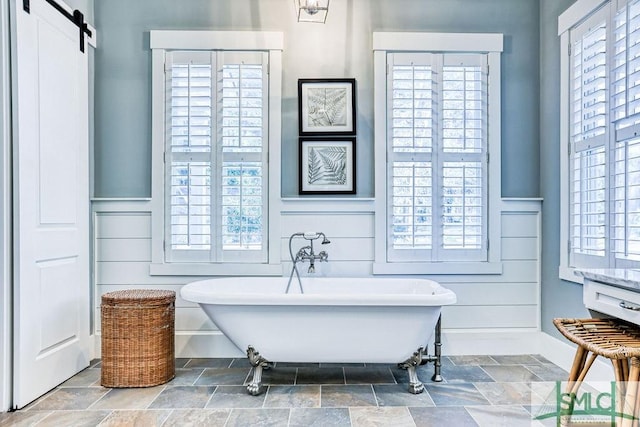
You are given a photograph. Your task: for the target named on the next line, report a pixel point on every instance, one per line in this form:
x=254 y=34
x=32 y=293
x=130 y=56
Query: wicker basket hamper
x=138 y=344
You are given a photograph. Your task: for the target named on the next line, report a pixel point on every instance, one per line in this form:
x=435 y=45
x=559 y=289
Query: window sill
x=438 y=268
x=204 y=269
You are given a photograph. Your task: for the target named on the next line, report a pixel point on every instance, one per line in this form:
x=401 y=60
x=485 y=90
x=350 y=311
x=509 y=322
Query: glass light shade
x=312 y=10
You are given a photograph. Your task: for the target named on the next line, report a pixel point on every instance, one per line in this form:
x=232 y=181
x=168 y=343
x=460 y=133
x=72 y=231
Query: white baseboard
x=460 y=342
x=454 y=343
x=193 y=344
x=561 y=353
x=209 y=344
x=490 y=342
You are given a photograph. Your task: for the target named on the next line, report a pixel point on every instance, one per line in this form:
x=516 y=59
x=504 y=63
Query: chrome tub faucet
x=306 y=253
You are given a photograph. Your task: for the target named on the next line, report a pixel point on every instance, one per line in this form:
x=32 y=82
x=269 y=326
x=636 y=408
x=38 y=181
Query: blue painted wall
x=339 y=48
x=342 y=48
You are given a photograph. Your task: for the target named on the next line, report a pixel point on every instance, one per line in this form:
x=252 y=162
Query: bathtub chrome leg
x=438 y=352
x=436 y=358
x=415 y=386
x=259 y=363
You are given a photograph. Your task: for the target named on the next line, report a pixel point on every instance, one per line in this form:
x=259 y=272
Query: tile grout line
x=266 y=393
x=167 y=417
x=375 y=396
x=106 y=417
x=198 y=377
x=99 y=399
x=228 y=418
x=43 y=418
x=211 y=397
x=462 y=376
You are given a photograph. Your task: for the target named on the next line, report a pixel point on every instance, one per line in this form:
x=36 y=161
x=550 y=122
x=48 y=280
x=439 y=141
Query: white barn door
x=51 y=202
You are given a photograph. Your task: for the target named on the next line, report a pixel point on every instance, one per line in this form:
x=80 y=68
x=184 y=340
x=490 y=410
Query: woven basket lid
x=139 y=296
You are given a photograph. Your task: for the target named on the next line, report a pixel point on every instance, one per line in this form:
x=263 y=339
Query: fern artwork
x=327 y=166
x=326 y=106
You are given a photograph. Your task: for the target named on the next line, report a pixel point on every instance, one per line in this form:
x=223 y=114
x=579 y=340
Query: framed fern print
x=326 y=107
x=328 y=166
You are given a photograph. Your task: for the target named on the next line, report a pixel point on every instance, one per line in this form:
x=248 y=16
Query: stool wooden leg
x=583 y=373
x=577 y=374
x=628 y=408
x=625 y=368
x=578 y=363
x=621 y=374
x=578 y=369
x=636 y=413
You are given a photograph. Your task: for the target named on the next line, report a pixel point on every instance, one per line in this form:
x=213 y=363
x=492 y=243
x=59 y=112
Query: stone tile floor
x=476 y=391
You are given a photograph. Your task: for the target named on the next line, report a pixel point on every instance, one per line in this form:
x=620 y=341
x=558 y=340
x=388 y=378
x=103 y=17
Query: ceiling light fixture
x=312 y=10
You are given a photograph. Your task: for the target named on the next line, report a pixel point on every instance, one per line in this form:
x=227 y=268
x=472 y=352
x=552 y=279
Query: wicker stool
x=616 y=340
x=138 y=347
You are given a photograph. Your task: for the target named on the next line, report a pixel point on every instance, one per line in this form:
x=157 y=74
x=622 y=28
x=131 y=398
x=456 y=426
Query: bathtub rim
x=194 y=292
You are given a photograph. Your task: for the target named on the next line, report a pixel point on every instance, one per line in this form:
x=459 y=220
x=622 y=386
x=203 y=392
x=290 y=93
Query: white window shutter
x=410 y=167
x=243 y=100
x=625 y=86
x=588 y=183
x=188 y=156
x=626 y=187
x=216 y=156
x=588 y=158
x=464 y=157
x=625 y=72
x=437 y=139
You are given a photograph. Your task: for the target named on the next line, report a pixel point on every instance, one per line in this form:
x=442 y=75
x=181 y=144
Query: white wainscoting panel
x=494 y=314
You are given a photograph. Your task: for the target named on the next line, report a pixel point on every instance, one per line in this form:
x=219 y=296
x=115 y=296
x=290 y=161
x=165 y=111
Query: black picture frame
x=327 y=165
x=326 y=107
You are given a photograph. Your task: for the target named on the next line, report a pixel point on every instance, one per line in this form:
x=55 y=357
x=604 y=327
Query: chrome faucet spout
x=306 y=253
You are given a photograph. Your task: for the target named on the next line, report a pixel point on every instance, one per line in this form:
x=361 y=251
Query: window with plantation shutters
x=589 y=104
x=216 y=156
x=600 y=214
x=588 y=202
x=626 y=227
x=625 y=86
x=464 y=154
x=437 y=157
x=589 y=59
x=588 y=137
x=625 y=73
x=215 y=125
x=411 y=153
x=189 y=150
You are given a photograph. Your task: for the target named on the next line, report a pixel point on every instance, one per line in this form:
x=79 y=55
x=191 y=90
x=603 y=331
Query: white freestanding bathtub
x=342 y=320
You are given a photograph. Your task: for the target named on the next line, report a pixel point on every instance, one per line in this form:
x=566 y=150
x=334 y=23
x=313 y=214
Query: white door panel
x=52 y=287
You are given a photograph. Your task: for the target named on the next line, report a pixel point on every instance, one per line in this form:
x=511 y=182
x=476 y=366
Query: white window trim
x=572 y=17
x=490 y=43
x=160 y=42
x=6 y=261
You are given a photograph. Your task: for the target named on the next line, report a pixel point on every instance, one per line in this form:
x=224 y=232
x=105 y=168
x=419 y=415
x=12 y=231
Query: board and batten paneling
x=493 y=305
